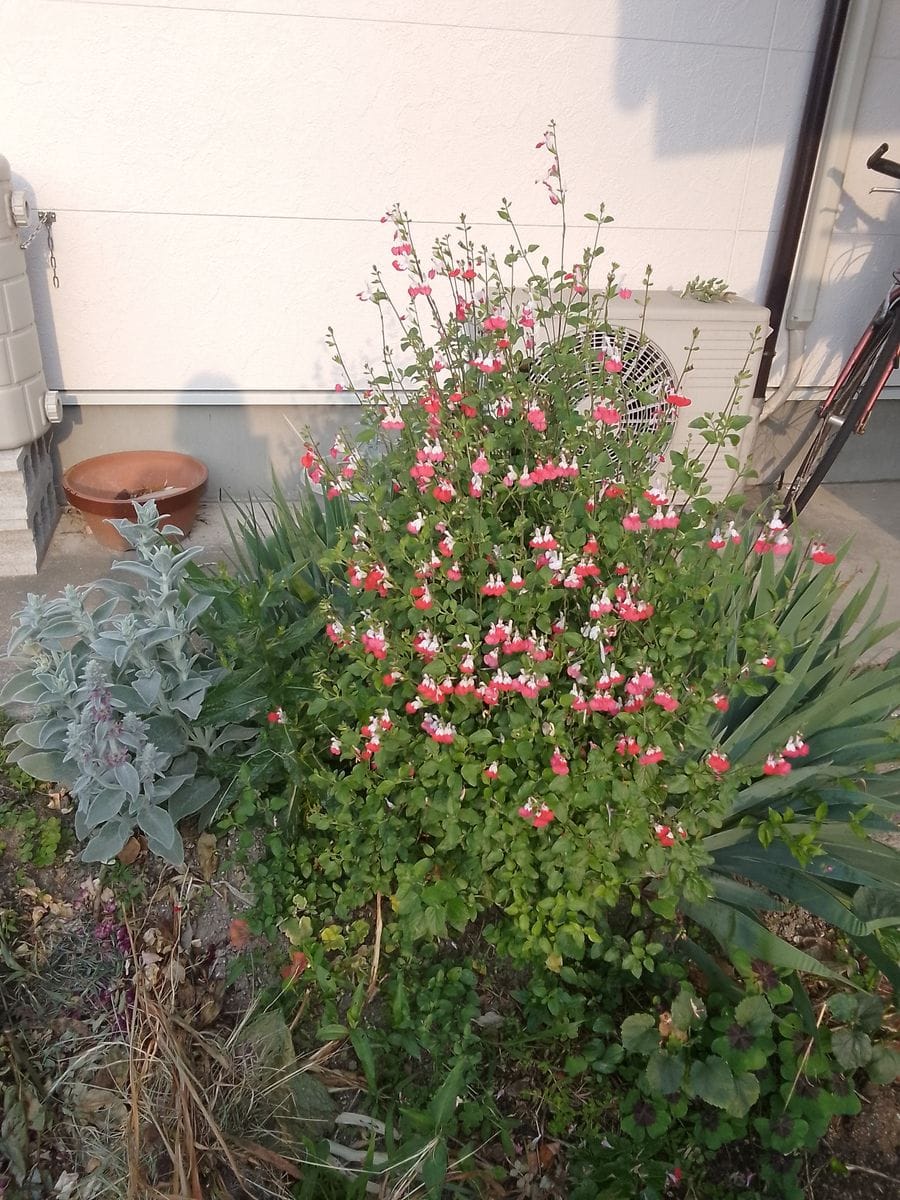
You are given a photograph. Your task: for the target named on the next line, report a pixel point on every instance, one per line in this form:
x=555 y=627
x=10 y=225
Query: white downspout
x=825 y=194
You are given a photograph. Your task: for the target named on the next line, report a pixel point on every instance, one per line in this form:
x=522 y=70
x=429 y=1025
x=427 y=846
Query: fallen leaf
x=489 y=1019
x=295 y=968
x=130 y=852
x=207 y=1011
x=207 y=858
x=238 y=933
x=539 y=1158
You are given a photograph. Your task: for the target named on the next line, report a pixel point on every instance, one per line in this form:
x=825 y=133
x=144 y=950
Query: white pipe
x=826 y=191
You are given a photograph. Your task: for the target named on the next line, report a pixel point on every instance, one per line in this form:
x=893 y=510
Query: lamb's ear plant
x=124 y=706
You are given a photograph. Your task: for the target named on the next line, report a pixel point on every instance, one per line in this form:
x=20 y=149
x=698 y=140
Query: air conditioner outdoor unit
x=653 y=347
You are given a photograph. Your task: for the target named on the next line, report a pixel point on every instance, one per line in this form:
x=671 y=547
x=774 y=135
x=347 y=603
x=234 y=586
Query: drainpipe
x=838 y=73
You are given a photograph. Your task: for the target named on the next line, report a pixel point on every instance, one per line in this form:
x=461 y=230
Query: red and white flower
x=392 y=418
x=819 y=553
x=536 y=418
x=374 y=641
x=422 y=598
x=543 y=539
x=775 y=764
x=536 y=813
x=652 y=755
x=558 y=763
x=795 y=747
x=334 y=631
x=495 y=323
x=717 y=762
x=488 y=364
x=606 y=413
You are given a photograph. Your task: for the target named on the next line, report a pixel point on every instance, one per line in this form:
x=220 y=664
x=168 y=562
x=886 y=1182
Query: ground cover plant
x=550 y=746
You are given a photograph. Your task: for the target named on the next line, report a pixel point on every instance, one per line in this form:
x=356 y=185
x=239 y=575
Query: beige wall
x=219 y=167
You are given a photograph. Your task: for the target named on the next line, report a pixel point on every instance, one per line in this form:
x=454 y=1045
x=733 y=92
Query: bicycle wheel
x=840 y=420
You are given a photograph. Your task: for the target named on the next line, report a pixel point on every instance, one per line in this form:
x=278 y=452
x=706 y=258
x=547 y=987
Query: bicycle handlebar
x=885 y=166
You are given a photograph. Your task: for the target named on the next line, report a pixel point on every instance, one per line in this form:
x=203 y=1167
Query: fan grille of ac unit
x=645 y=372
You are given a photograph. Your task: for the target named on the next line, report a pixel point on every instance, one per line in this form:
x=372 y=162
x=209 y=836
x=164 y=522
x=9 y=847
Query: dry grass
x=161 y=1098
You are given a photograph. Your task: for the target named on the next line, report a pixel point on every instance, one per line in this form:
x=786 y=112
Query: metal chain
x=45 y=220
x=49 y=218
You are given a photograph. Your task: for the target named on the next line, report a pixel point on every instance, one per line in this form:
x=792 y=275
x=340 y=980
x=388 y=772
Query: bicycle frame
x=890 y=310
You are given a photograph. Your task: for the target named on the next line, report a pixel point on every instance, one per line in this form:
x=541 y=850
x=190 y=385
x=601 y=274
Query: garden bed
x=72 y=939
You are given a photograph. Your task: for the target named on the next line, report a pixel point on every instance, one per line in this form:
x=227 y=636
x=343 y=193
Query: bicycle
x=848 y=406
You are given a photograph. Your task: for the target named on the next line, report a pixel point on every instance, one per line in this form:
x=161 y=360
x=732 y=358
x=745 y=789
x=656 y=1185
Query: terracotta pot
x=103 y=488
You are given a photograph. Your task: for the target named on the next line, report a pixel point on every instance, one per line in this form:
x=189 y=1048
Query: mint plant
x=119 y=694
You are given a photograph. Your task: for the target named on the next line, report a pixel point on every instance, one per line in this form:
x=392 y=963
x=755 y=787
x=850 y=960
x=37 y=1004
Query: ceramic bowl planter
x=104 y=488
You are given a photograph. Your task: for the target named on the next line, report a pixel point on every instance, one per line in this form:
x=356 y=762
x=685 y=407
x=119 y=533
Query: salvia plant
x=118 y=692
x=547 y=615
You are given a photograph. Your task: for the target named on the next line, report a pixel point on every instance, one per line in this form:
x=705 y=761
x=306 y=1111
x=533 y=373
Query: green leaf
x=481 y=737
x=851 y=1047
x=884 y=1066
x=434 y=1170
x=746 y=1094
x=105 y=804
x=157 y=824
x=332 y=1032
x=734 y=930
x=191 y=797
x=443 y=1106
x=639 y=1033
x=107 y=842
x=570 y=942
x=128 y=779
x=48 y=766
x=664 y=1072
x=754 y=1013
x=362 y=1048
x=843 y=1006
x=712 y=1080
x=687 y=1007
x=471 y=773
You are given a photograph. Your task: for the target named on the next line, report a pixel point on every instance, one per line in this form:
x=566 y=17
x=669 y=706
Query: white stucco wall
x=218 y=167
